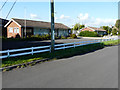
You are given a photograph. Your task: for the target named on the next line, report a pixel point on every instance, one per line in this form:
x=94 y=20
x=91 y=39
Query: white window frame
x=16 y=30
x=11 y=30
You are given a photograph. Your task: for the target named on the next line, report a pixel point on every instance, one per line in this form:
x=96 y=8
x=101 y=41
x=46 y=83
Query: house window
x=16 y=30
x=11 y=30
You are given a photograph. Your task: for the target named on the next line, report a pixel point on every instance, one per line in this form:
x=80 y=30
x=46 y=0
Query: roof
x=114 y=27
x=3 y=22
x=40 y=24
x=97 y=29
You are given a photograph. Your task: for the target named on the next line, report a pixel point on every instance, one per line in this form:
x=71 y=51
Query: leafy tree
x=114 y=31
x=107 y=28
x=117 y=24
x=77 y=26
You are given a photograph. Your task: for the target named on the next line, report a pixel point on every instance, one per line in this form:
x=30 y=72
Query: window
x=11 y=30
x=16 y=30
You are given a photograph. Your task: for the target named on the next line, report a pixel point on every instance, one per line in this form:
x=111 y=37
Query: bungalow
x=17 y=27
x=100 y=31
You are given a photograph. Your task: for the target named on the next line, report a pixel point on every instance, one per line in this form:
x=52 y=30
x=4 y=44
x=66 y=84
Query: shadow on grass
x=67 y=53
x=81 y=50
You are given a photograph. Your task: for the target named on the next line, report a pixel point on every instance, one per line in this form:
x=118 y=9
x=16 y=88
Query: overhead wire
x=3 y=5
x=11 y=8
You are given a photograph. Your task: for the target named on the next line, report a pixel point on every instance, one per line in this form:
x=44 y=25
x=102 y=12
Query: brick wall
x=13 y=34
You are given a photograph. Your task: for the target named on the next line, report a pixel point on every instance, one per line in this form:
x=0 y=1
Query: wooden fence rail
x=33 y=50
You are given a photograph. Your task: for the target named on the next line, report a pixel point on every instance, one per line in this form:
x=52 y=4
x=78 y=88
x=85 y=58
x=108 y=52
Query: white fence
x=33 y=50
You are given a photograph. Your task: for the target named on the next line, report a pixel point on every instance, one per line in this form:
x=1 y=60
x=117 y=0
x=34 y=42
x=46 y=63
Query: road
x=98 y=69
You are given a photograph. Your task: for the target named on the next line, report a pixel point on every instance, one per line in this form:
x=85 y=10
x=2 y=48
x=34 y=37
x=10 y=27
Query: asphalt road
x=98 y=69
x=25 y=44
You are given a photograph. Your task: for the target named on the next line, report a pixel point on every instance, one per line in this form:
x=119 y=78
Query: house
x=30 y=27
x=99 y=31
x=3 y=30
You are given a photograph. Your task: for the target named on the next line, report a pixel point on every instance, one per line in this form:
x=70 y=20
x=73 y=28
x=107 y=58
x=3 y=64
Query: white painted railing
x=33 y=50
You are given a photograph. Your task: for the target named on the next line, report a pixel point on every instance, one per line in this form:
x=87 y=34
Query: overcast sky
x=89 y=13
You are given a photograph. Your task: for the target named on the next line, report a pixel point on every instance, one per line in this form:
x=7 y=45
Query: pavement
x=26 y=44
x=98 y=69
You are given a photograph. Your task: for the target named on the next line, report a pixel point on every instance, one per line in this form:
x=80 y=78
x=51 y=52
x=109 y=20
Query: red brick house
x=17 y=27
x=100 y=31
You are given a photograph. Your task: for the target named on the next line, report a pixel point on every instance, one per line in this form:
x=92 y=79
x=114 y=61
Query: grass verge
x=58 y=54
x=112 y=42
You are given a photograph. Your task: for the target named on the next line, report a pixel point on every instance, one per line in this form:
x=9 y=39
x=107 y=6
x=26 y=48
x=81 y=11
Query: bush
x=62 y=37
x=114 y=32
x=73 y=36
x=88 y=34
x=47 y=36
x=57 y=37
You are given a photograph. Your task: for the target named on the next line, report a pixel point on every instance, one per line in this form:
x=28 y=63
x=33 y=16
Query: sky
x=94 y=14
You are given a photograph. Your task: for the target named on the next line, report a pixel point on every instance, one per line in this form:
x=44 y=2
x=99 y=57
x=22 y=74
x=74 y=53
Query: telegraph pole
x=25 y=25
x=52 y=26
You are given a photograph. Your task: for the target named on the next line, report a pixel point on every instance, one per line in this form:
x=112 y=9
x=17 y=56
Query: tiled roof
x=40 y=24
x=97 y=29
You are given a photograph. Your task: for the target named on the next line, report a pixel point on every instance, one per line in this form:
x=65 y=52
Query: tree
x=77 y=26
x=114 y=31
x=107 y=28
x=117 y=24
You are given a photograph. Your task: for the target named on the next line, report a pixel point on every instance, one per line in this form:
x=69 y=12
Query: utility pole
x=25 y=25
x=52 y=26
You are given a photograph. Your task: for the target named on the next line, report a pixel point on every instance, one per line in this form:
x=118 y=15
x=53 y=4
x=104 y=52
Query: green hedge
x=33 y=38
x=88 y=34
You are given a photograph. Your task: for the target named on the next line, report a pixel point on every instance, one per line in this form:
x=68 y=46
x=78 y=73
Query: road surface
x=26 y=44
x=98 y=69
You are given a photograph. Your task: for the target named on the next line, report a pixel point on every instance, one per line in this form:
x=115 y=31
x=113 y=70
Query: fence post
x=74 y=44
x=64 y=46
x=8 y=53
x=102 y=40
x=50 y=49
x=32 y=50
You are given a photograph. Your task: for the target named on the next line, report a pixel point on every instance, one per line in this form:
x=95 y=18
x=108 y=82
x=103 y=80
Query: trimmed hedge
x=88 y=34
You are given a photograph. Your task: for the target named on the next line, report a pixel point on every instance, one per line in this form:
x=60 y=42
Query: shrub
x=47 y=36
x=88 y=34
x=114 y=32
x=69 y=38
x=57 y=37
x=62 y=37
x=73 y=36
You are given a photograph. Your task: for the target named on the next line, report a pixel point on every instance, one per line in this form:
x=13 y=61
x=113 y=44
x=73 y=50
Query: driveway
x=98 y=69
x=23 y=44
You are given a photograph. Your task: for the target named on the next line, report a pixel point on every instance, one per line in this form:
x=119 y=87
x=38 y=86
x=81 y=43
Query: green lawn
x=58 y=54
x=111 y=43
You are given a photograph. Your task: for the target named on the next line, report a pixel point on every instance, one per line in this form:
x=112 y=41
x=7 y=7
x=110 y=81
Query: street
x=98 y=69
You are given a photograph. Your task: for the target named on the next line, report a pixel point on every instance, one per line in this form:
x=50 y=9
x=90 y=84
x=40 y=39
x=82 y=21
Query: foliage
x=88 y=34
x=107 y=28
x=112 y=42
x=62 y=37
x=77 y=26
x=114 y=32
x=117 y=24
x=34 y=38
x=73 y=36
